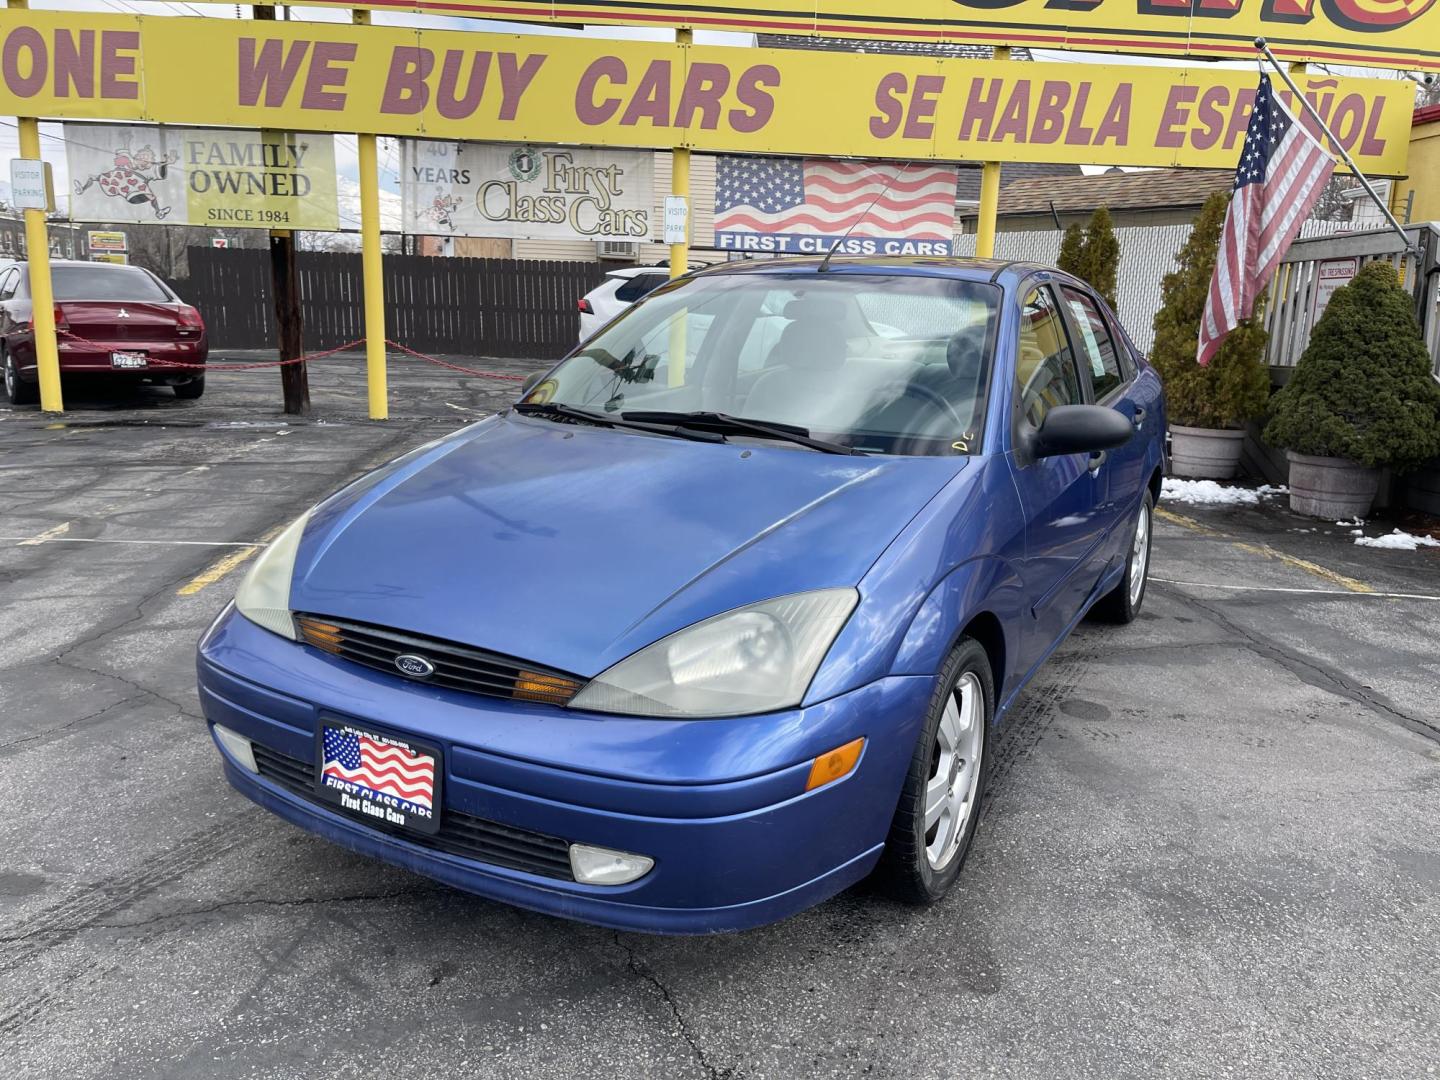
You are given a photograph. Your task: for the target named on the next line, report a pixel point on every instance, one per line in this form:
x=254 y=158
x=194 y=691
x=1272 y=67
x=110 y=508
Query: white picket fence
x=1147 y=254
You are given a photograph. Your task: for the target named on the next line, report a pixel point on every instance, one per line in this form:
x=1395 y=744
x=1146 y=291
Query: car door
x=1106 y=361
x=1062 y=496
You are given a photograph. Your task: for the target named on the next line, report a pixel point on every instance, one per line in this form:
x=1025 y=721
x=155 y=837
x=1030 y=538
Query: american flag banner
x=795 y=206
x=380 y=766
x=1282 y=170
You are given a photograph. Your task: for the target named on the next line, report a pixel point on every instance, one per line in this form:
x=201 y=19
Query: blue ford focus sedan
x=723 y=614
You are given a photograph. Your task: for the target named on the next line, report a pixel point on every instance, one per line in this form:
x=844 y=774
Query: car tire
x=17 y=390
x=945 y=782
x=189 y=391
x=1122 y=604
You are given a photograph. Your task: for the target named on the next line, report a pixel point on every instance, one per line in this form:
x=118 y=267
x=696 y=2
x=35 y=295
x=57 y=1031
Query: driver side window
x=1045 y=372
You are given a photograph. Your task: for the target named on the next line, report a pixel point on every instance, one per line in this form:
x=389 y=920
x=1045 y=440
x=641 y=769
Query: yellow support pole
x=372 y=271
x=680 y=253
x=42 y=296
x=989 y=194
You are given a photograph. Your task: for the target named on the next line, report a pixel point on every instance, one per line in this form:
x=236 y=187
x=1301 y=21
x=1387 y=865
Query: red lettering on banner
x=1369 y=144
x=887 y=100
x=324 y=74
x=751 y=92
x=75 y=63
x=589 y=111
x=920 y=123
x=652 y=97
x=1015 y=120
x=705 y=85
x=515 y=79
x=1210 y=115
x=119 y=62
x=1077 y=134
x=406 y=92
x=270 y=70
x=1176 y=112
x=1368 y=16
x=1239 y=118
x=27 y=82
x=980 y=110
x=1050 y=112
x=1115 y=125
x=450 y=101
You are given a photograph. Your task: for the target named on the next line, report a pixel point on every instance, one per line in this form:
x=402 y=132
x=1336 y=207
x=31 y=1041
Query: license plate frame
x=129 y=360
x=376 y=806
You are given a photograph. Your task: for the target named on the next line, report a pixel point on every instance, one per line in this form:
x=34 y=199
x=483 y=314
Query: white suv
x=618 y=291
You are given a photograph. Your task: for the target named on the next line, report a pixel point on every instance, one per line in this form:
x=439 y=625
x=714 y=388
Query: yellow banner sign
x=1371 y=33
x=503 y=88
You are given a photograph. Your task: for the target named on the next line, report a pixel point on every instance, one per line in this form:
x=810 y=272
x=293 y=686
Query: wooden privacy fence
x=471 y=307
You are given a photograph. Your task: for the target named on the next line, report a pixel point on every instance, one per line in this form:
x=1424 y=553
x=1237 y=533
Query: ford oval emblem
x=417 y=667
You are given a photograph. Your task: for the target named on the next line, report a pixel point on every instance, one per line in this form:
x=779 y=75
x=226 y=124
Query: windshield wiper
x=739 y=425
x=557 y=411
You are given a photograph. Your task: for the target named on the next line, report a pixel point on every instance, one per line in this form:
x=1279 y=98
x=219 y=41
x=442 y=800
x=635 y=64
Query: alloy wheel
x=1140 y=555
x=954 y=771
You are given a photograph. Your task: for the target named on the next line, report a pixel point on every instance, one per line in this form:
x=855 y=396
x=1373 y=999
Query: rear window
x=107 y=283
x=640 y=285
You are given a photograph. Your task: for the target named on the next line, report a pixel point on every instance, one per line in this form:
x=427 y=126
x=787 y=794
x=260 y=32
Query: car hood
x=572 y=546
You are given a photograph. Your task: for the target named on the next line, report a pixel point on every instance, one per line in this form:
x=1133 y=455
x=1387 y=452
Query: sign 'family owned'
x=440 y=84
x=521 y=192
x=201 y=176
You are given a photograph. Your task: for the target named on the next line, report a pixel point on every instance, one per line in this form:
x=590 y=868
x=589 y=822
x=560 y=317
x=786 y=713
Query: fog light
x=601 y=866
x=237 y=745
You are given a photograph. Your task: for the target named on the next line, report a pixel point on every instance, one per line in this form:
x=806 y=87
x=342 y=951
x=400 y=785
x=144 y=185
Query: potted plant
x=1208 y=406
x=1362 y=397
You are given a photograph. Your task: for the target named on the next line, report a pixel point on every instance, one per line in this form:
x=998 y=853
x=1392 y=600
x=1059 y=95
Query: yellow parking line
x=222 y=566
x=1314 y=569
x=48 y=534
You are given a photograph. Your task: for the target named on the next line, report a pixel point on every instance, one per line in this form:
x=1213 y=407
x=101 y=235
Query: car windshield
x=107 y=283
x=883 y=363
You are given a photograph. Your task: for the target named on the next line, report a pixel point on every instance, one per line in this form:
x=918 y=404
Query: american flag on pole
x=795 y=205
x=1282 y=170
x=382 y=767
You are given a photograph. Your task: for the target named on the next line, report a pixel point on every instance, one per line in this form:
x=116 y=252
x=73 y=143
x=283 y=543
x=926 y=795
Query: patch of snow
x=1266 y=489
x=1350 y=524
x=1397 y=541
x=1207 y=493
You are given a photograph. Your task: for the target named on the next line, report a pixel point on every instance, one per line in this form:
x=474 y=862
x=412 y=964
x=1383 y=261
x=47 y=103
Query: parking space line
x=1367 y=594
x=49 y=534
x=1314 y=569
x=216 y=570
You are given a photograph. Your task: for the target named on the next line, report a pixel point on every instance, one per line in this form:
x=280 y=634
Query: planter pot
x=1333 y=488
x=1205 y=453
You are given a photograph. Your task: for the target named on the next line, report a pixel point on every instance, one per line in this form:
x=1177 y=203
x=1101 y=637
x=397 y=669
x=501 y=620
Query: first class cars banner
x=201 y=176
x=443 y=84
x=526 y=192
x=1370 y=33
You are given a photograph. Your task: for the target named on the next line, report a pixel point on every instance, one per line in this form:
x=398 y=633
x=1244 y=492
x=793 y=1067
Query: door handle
x=1096 y=460
x=1139 y=418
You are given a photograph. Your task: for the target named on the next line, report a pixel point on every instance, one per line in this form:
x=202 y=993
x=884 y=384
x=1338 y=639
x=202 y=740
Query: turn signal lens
x=533 y=686
x=835 y=765
x=320 y=634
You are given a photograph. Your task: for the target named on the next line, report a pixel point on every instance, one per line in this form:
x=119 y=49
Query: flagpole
x=1261 y=44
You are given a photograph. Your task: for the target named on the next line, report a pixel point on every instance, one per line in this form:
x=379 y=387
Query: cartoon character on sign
x=133 y=178
x=442 y=210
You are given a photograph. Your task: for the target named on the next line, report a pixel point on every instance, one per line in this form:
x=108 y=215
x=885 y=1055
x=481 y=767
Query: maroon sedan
x=120 y=320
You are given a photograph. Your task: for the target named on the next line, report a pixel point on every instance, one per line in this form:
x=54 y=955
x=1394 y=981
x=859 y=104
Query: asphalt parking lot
x=1211 y=846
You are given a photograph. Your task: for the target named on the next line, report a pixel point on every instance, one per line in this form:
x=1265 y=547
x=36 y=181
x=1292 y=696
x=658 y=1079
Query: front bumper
x=720 y=805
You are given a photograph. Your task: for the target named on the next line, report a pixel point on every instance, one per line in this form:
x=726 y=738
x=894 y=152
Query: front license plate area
x=128 y=360
x=385 y=780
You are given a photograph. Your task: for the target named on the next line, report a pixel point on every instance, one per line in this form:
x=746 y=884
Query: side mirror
x=1081 y=429
x=531 y=381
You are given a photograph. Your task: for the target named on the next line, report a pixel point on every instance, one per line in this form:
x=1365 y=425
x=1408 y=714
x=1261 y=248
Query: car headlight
x=754 y=659
x=264 y=595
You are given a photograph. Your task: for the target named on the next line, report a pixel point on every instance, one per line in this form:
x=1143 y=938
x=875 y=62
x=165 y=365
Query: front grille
x=455 y=666
x=460 y=834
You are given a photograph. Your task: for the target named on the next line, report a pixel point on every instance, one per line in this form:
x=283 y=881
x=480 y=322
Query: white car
x=618 y=291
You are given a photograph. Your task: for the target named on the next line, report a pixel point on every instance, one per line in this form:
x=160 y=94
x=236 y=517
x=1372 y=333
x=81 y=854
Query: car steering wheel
x=929 y=396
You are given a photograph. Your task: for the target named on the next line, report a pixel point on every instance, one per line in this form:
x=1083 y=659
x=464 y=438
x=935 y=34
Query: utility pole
x=285 y=283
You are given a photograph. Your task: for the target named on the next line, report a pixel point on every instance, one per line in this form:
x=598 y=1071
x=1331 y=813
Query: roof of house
x=1427 y=115
x=898 y=48
x=1152 y=189
x=1012 y=172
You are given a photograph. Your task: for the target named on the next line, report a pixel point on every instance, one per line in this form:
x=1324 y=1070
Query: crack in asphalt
x=9 y=749
x=1312 y=672
x=643 y=973
x=210 y=909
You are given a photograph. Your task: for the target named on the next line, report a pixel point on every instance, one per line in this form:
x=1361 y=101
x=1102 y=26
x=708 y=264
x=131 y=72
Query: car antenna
x=825 y=262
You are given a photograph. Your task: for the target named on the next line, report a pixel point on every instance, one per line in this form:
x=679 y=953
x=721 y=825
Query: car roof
x=636 y=271
x=1006 y=272
x=25 y=263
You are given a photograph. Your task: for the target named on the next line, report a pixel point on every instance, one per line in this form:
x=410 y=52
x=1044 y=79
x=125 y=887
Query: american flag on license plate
x=380 y=766
x=1282 y=171
x=820 y=197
